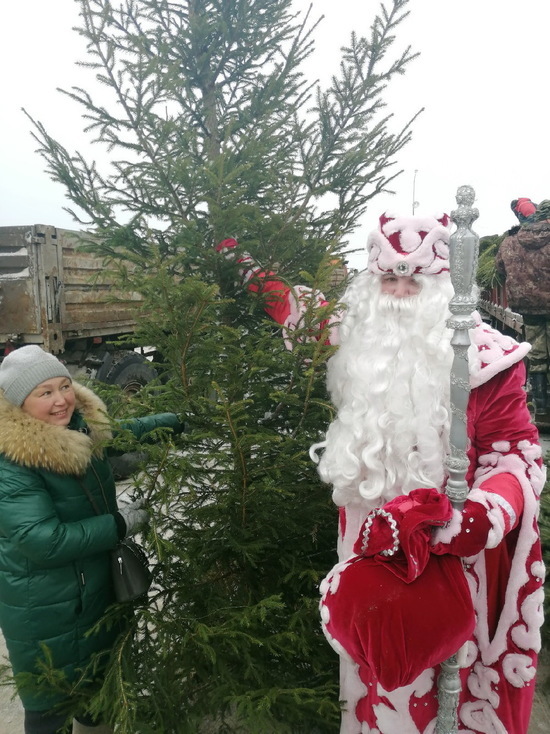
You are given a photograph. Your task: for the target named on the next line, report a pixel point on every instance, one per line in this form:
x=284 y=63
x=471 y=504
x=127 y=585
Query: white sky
x=483 y=77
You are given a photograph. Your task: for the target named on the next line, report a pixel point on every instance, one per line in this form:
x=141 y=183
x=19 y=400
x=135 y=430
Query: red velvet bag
x=396 y=607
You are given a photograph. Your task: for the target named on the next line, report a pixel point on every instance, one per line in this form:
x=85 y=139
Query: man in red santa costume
x=385 y=457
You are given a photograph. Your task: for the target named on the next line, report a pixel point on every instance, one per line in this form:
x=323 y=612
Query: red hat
x=406 y=245
x=523 y=206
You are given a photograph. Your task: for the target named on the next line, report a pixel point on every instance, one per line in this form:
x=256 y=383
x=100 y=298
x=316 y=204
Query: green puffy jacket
x=55 y=580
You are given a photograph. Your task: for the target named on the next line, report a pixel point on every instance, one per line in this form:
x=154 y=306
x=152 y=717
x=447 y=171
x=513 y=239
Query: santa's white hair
x=389 y=381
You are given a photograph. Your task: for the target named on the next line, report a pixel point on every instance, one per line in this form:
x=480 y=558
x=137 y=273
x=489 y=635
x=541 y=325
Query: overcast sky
x=482 y=77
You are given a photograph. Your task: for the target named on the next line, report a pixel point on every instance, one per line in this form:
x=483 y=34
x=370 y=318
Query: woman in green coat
x=55 y=578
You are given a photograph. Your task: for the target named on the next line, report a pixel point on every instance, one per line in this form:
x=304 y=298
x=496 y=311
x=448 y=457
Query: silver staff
x=464 y=246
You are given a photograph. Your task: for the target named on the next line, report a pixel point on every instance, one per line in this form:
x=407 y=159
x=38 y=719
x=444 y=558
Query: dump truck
x=55 y=294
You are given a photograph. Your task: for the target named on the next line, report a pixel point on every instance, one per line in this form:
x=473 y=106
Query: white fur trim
x=527 y=635
x=538 y=570
x=481 y=717
x=518 y=669
x=449 y=531
x=355 y=690
x=249 y=273
x=482 y=682
x=300 y=299
x=492 y=649
x=491 y=352
x=428 y=255
x=471 y=652
x=502 y=446
x=331 y=582
x=494 y=512
x=397 y=717
x=325 y=614
x=462 y=655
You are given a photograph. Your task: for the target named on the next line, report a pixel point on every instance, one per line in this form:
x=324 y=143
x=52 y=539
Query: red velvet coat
x=504 y=570
x=497 y=539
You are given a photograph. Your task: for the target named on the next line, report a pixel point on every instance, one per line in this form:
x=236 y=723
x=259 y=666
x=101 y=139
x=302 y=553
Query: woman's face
x=400 y=286
x=52 y=401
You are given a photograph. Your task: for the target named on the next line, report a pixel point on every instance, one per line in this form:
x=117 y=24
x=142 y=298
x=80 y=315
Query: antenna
x=414 y=201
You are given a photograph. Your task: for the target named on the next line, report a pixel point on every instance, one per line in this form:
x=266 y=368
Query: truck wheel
x=130 y=371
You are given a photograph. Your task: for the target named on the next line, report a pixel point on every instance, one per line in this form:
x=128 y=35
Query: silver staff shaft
x=464 y=247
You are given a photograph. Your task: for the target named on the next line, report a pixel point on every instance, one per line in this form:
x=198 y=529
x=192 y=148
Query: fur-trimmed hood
x=491 y=352
x=35 y=444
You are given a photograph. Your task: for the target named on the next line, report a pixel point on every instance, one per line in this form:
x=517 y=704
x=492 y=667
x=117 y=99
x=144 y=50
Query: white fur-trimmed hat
x=407 y=245
x=25 y=368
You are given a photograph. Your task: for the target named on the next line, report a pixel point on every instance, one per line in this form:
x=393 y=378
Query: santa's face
x=399 y=286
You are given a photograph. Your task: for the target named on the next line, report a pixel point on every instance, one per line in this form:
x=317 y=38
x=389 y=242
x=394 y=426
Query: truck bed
x=52 y=291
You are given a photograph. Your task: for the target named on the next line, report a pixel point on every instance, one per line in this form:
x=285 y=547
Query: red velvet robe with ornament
x=505 y=581
x=505 y=577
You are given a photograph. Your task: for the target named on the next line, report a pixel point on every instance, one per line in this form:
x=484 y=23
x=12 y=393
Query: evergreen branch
x=94 y=35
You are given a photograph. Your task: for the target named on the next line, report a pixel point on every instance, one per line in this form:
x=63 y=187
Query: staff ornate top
x=463 y=255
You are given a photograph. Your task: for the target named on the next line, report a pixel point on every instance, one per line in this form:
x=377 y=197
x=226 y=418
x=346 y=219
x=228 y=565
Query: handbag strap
x=97 y=511
x=90 y=496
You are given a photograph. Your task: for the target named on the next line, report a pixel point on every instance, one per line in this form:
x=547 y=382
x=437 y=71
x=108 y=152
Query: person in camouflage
x=524 y=209
x=523 y=259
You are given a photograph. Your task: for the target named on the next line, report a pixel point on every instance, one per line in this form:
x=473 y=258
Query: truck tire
x=130 y=371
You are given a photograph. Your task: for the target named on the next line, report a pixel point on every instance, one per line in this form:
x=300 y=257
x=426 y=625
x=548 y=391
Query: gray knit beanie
x=25 y=368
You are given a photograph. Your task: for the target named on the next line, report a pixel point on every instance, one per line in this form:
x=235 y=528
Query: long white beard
x=389 y=381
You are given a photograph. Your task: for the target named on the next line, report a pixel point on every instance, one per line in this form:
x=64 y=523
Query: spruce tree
x=213 y=131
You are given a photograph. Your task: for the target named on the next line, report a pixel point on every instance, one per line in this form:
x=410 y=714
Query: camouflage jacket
x=524 y=260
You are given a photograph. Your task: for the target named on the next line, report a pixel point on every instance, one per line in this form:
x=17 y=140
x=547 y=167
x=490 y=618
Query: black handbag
x=130 y=569
x=129 y=564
